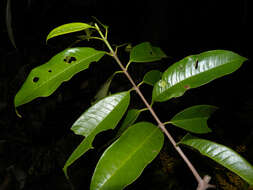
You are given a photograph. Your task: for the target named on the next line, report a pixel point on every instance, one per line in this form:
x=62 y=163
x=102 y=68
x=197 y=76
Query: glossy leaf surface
x=123 y=162
x=194 y=119
x=129 y=120
x=194 y=71
x=222 y=155
x=68 y=28
x=152 y=77
x=45 y=79
x=103 y=115
x=145 y=52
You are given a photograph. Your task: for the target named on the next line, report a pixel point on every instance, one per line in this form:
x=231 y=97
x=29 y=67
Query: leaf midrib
x=195 y=118
x=98 y=127
x=76 y=29
x=130 y=156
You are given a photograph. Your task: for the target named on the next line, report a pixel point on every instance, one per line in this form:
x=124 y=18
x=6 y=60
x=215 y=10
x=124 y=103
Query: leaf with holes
x=194 y=71
x=152 y=77
x=103 y=115
x=123 y=162
x=45 y=79
x=222 y=155
x=194 y=119
x=68 y=28
x=145 y=52
x=129 y=120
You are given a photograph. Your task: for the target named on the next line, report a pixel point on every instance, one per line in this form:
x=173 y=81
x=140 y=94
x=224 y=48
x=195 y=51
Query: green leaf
x=194 y=71
x=222 y=155
x=144 y=52
x=194 y=119
x=45 y=79
x=129 y=120
x=104 y=90
x=102 y=116
x=123 y=162
x=152 y=77
x=68 y=28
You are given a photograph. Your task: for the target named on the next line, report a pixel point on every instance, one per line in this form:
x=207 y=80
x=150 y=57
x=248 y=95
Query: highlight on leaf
x=103 y=115
x=194 y=71
x=222 y=155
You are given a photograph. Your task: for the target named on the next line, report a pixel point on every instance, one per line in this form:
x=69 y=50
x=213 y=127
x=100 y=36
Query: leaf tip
x=49 y=36
x=245 y=59
x=18 y=101
x=16 y=104
x=65 y=172
x=17 y=113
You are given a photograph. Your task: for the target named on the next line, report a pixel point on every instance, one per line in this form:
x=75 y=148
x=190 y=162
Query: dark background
x=35 y=147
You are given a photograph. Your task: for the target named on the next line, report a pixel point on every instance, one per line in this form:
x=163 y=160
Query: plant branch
x=128 y=65
x=141 y=83
x=202 y=183
x=144 y=109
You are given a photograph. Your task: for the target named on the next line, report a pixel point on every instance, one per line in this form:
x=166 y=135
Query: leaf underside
x=194 y=71
x=45 y=79
x=222 y=155
x=103 y=115
x=123 y=162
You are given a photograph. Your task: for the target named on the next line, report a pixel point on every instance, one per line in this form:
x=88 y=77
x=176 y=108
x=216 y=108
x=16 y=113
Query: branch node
x=204 y=183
